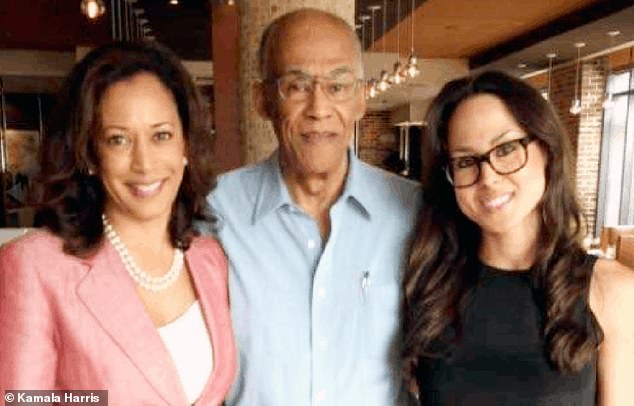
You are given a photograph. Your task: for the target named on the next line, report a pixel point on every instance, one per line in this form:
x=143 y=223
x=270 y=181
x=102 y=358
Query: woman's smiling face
x=498 y=204
x=140 y=148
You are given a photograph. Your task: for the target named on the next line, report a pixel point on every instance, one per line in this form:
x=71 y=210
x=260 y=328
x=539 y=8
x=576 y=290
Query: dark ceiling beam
x=558 y=26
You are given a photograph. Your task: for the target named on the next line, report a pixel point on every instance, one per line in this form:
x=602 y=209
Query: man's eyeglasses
x=298 y=87
x=504 y=159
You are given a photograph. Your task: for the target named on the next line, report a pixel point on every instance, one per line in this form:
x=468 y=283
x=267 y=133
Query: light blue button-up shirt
x=316 y=322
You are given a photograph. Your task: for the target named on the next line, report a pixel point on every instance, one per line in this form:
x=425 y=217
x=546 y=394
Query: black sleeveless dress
x=501 y=358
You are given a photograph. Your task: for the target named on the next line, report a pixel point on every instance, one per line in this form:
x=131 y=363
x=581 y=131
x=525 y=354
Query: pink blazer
x=70 y=323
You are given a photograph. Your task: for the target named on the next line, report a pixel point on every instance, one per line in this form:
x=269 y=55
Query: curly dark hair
x=440 y=277
x=71 y=197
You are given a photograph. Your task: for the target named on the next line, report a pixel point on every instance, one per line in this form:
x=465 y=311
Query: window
x=616 y=184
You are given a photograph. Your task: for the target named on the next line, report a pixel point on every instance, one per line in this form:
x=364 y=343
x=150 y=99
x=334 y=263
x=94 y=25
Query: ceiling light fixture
x=550 y=57
x=174 y=2
x=397 y=76
x=608 y=102
x=373 y=83
x=575 y=108
x=92 y=9
x=384 y=78
x=363 y=18
x=412 y=62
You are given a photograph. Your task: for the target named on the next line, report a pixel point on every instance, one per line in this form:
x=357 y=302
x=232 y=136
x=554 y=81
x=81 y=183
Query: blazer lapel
x=110 y=296
x=205 y=262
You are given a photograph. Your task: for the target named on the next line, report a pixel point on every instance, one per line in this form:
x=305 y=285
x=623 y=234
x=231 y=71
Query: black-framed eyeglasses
x=504 y=159
x=298 y=87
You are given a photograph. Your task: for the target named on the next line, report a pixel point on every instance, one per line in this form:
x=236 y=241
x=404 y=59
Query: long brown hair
x=72 y=196
x=440 y=272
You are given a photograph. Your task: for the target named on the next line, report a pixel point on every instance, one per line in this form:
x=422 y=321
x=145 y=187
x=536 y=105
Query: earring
x=91 y=172
x=185 y=161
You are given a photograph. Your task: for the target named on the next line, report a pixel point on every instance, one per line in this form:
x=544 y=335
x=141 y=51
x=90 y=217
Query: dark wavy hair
x=440 y=274
x=71 y=197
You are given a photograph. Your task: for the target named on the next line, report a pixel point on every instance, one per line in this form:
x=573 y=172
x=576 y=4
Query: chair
x=610 y=235
x=625 y=250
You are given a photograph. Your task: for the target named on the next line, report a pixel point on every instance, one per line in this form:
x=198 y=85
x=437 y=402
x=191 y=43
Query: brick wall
x=378 y=138
x=584 y=129
x=588 y=147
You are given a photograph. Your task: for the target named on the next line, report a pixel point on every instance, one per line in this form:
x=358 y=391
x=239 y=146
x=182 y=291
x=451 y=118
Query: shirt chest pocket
x=380 y=303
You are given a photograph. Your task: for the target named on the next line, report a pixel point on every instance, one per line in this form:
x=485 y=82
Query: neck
x=316 y=193
x=149 y=236
x=508 y=251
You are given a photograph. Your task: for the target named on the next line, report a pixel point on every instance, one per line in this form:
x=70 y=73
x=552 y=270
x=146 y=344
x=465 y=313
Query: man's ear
x=360 y=105
x=262 y=105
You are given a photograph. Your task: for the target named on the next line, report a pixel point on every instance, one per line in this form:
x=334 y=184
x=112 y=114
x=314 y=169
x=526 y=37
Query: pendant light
x=384 y=78
x=550 y=57
x=575 y=108
x=397 y=77
x=608 y=102
x=364 y=18
x=373 y=90
x=412 y=61
x=92 y=9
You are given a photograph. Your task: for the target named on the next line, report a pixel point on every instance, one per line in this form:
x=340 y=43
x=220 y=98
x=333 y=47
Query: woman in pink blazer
x=118 y=292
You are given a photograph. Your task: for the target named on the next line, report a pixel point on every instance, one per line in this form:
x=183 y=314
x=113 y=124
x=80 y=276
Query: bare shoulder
x=611 y=294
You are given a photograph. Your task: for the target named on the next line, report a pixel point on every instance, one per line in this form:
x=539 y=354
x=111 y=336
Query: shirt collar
x=273 y=193
x=359 y=186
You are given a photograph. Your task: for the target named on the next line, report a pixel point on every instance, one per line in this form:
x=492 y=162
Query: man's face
x=315 y=124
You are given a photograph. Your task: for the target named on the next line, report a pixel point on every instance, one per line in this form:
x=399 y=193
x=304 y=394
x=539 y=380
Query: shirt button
x=321 y=396
x=310 y=244
x=321 y=293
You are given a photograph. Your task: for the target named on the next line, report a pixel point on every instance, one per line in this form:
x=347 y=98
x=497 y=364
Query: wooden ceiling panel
x=464 y=28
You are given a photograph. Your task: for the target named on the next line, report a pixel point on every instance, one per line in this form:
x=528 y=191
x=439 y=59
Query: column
x=225 y=27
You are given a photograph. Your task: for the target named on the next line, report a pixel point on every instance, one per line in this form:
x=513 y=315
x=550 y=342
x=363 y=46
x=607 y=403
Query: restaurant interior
x=578 y=53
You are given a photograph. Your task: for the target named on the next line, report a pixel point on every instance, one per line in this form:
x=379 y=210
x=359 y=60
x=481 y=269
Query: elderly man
x=316 y=239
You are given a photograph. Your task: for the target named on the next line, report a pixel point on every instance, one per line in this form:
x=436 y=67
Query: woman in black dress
x=502 y=304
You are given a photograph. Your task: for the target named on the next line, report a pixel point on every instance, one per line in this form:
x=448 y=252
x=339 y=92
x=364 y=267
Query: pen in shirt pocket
x=365 y=282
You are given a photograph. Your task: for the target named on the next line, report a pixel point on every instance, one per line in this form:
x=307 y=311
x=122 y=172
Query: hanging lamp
x=92 y=9
x=608 y=102
x=411 y=68
x=397 y=77
x=575 y=108
x=373 y=89
x=551 y=56
x=384 y=77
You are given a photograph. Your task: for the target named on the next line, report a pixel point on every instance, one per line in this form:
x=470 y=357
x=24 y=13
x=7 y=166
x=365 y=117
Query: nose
x=319 y=106
x=141 y=156
x=487 y=174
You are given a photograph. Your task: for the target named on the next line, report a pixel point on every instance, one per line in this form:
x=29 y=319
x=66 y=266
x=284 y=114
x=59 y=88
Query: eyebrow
x=333 y=73
x=122 y=127
x=492 y=142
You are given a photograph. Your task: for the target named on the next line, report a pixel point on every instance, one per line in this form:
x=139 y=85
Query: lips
x=318 y=136
x=146 y=189
x=497 y=202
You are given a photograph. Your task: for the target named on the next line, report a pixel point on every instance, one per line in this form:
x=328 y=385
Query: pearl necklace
x=141 y=278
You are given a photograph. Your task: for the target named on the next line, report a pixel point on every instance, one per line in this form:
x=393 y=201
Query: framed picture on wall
x=22 y=151
x=22 y=147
